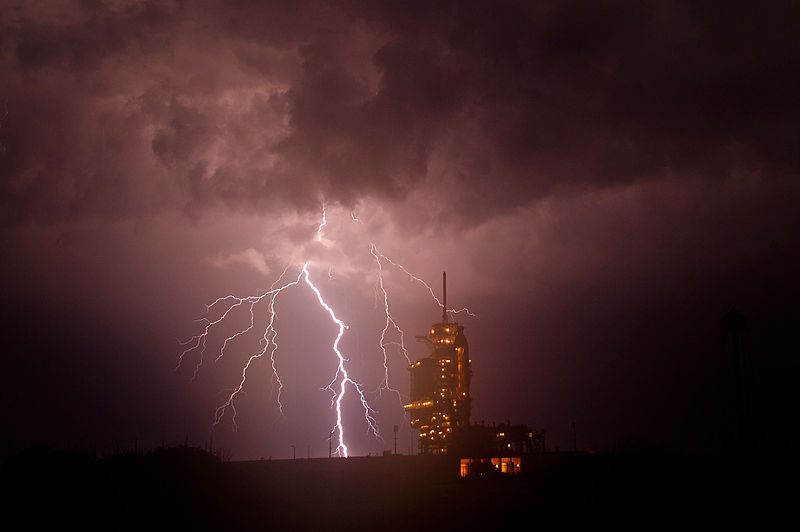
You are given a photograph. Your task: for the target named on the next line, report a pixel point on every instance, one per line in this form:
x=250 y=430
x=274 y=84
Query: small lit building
x=497 y=449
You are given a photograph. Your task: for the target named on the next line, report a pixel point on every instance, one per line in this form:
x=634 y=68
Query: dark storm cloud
x=101 y=34
x=369 y=145
x=512 y=99
x=609 y=93
x=67 y=154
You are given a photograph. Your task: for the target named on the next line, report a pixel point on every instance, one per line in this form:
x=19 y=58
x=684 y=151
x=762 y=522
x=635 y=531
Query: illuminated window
x=465 y=466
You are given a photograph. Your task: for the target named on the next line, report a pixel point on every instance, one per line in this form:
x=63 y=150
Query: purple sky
x=601 y=181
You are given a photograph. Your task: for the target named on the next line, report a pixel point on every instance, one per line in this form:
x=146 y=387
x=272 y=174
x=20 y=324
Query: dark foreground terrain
x=188 y=489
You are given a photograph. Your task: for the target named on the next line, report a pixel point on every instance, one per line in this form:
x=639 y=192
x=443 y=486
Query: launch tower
x=440 y=400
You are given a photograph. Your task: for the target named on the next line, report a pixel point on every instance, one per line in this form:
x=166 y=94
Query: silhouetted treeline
x=180 y=486
x=188 y=488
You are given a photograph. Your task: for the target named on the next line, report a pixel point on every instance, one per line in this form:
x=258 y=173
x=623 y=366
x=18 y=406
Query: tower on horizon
x=440 y=400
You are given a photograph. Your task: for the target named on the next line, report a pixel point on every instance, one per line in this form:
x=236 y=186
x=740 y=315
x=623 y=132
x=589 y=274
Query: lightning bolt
x=268 y=346
x=342 y=376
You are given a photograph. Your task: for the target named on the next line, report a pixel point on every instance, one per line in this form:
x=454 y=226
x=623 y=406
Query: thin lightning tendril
x=321 y=225
x=200 y=339
x=376 y=254
x=390 y=322
x=220 y=412
x=426 y=285
x=273 y=338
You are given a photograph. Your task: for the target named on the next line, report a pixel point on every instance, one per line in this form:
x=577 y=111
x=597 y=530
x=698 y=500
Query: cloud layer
x=121 y=109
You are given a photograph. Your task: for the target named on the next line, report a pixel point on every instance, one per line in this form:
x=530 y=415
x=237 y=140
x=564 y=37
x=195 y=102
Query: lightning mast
x=444 y=297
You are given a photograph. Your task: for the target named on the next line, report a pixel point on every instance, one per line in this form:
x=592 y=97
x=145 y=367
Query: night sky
x=602 y=182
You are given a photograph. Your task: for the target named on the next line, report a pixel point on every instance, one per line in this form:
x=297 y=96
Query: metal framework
x=440 y=400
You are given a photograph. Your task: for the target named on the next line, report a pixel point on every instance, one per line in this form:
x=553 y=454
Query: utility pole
x=294 y=456
x=396 y=428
